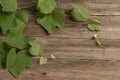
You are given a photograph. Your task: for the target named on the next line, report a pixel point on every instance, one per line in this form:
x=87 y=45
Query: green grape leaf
x=16 y=42
x=43 y=60
x=19 y=23
x=11 y=57
x=19 y=61
x=94 y=25
x=15 y=22
x=19 y=42
x=36 y=49
x=6 y=20
x=9 y=5
x=27 y=39
x=80 y=13
x=4 y=49
x=46 y=6
x=51 y=21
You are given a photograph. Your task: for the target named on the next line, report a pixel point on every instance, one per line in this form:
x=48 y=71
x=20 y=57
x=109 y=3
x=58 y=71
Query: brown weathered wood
x=70 y=70
x=109 y=28
x=97 y=7
x=78 y=57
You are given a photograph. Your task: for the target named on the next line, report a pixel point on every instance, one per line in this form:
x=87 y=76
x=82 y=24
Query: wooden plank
x=81 y=48
x=73 y=70
x=109 y=28
x=98 y=7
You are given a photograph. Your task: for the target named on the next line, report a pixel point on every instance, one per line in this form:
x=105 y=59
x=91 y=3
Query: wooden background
x=78 y=57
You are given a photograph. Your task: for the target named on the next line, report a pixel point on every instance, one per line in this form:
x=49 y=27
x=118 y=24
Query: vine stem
x=27 y=6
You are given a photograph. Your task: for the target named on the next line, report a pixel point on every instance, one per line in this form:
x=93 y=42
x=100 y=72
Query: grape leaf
x=15 y=22
x=19 y=42
x=51 y=21
x=9 y=5
x=80 y=13
x=17 y=38
x=36 y=49
x=4 y=49
x=19 y=61
x=46 y=6
x=19 y=23
x=94 y=25
x=16 y=42
x=11 y=57
x=42 y=60
x=6 y=20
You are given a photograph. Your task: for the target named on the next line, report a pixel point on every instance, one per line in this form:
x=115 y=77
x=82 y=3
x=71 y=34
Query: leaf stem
x=25 y=7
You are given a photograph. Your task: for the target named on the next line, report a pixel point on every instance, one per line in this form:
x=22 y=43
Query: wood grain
x=78 y=56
